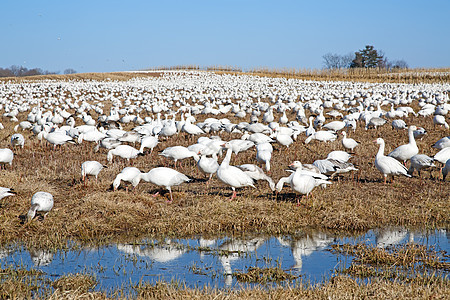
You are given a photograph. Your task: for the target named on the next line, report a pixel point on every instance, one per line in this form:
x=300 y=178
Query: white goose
x=149 y=142
x=443 y=155
x=348 y=143
x=177 y=153
x=419 y=162
x=17 y=140
x=5 y=192
x=301 y=183
x=57 y=138
x=128 y=174
x=6 y=157
x=446 y=169
x=334 y=125
x=40 y=202
x=256 y=173
x=264 y=157
x=91 y=167
x=165 y=177
x=387 y=165
x=405 y=152
x=207 y=165
x=310 y=130
x=124 y=151
x=440 y=120
x=232 y=175
x=323 y=136
x=442 y=143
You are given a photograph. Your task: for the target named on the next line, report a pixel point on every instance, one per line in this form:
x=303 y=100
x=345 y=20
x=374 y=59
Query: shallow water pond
x=211 y=262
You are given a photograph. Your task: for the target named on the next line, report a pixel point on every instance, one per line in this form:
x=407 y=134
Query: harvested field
x=95 y=214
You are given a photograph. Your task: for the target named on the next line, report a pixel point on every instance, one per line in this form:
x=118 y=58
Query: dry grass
x=23 y=284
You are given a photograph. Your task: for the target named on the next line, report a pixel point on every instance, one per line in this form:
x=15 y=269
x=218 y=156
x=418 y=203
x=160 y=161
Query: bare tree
x=399 y=64
x=336 y=61
x=69 y=71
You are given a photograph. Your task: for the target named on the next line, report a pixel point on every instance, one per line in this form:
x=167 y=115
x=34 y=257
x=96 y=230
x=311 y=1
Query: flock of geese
x=173 y=102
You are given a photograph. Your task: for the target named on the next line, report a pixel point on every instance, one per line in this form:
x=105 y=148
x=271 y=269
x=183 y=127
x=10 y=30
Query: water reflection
x=305 y=246
x=233 y=250
x=41 y=257
x=205 y=261
x=391 y=236
x=161 y=253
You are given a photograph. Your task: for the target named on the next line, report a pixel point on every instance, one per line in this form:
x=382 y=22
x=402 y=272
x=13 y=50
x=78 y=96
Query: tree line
x=368 y=57
x=21 y=71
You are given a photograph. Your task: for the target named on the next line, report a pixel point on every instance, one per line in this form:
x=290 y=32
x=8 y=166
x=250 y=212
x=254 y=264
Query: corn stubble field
x=95 y=214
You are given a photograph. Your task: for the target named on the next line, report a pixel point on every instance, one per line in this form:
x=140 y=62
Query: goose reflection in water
x=305 y=246
x=162 y=253
x=41 y=257
x=236 y=249
x=392 y=236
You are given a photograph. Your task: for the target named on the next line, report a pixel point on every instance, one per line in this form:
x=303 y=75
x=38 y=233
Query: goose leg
x=233 y=195
x=171 y=197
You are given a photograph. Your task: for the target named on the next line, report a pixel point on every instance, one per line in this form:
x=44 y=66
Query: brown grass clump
x=75 y=283
x=263 y=275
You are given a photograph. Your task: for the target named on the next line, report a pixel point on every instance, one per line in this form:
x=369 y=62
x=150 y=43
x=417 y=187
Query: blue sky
x=108 y=35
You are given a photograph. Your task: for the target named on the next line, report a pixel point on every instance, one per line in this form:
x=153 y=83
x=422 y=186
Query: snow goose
x=300 y=183
x=299 y=167
x=128 y=174
x=107 y=143
x=440 y=120
x=17 y=140
x=207 y=165
x=40 y=202
x=231 y=175
x=332 y=167
x=6 y=157
x=319 y=120
x=348 y=143
x=446 y=169
x=264 y=157
x=190 y=128
x=90 y=167
x=165 y=177
x=334 y=125
x=443 y=155
x=419 y=162
x=399 y=125
x=310 y=130
x=323 y=136
x=405 y=152
x=256 y=173
x=419 y=133
x=341 y=156
x=387 y=165
x=91 y=136
x=375 y=122
x=57 y=138
x=5 y=192
x=149 y=142
x=442 y=143
x=130 y=137
x=177 y=153
x=239 y=145
x=282 y=139
x=258 y=138
x=124 y=151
